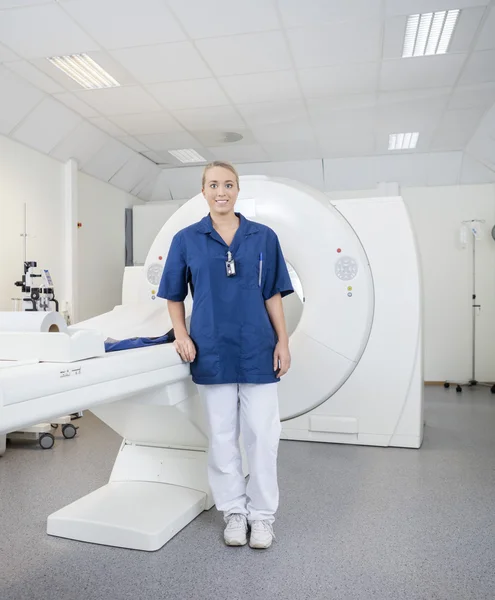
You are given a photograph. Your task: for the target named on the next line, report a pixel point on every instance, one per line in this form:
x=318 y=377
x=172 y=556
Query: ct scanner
x=356 y=375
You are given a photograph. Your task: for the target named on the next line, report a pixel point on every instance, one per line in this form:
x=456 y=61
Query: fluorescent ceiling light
x=402 y=141
x=84 y=70
x=187 y=155
x=429 y=33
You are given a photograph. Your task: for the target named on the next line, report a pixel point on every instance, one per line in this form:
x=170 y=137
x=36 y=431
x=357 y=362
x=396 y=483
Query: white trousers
x=250 y=410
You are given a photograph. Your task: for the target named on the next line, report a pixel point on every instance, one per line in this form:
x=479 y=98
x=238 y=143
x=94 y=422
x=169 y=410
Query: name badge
x=230 y=265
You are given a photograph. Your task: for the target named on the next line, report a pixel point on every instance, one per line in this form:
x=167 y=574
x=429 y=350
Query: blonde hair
x=224 y=165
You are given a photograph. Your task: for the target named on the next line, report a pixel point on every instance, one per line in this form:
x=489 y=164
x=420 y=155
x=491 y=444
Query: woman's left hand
x=281 y=359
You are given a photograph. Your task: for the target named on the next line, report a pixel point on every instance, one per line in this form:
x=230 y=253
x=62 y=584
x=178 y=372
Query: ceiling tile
x=247 y=153
x=410 y=7
x=225 y=17
x=472 y=96
x=133 y=172
x=165 y=62
x=344 y=145
x=456 y=129
x=418 y=110
x=466 y=30
x=314 y=12
x=169 y=141
x=81 y=144
x=20 y=3
x=324 y=108
x=423 y=72
x=252 y=53
x=479 y=68
x=334 y=43
x=339 y=79
x=342 y=123
x=262 y=87
x=119 y=101
x=126 y=23
x=6 y=54
x=46 y=126
x=219 y=117
x=34 y=76
x=108 y=160
x=298 y=131
x=42 y=31
x=281 y=151
x=273 y=112
x=196 y=93
x=102 y=58
x=144 y=123
x=106 y=126
x=16 y=100
x=133 y=143
x=76 y=104
x=486 y=39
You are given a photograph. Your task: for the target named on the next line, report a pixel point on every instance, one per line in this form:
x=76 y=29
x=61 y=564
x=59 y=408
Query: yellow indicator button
x=349 y=288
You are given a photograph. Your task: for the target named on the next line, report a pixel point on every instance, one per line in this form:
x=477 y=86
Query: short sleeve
x=277 y=279
x=173 y=285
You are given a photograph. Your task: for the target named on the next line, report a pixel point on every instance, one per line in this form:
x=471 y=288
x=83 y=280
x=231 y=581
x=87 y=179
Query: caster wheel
x=492 y=389
x=69 y=431
x=54 y=425
x=46 y=441
x=446 y=385
x=458 y=389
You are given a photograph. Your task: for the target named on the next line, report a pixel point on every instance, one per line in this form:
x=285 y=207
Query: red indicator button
x=160 y=258
x=339 y=250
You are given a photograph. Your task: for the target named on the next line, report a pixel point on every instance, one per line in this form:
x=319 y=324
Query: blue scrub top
x=230 y=326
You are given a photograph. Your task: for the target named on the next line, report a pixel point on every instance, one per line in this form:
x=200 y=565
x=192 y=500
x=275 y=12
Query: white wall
x=31 y=177
x=101 y=245
x=436 y=214
x=27 y=176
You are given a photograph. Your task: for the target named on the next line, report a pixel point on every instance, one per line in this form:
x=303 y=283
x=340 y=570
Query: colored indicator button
x=349 y=288
x=160 y=258
x=339 y=249
x=153 y=292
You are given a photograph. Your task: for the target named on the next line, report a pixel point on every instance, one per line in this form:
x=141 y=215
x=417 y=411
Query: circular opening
x=294 y=303
x=53 y=329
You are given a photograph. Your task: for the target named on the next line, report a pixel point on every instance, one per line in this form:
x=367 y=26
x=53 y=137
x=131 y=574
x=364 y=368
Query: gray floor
x=355 y=523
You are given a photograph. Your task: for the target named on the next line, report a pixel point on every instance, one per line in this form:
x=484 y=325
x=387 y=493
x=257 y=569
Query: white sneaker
x=235 y=533
x=261 y=534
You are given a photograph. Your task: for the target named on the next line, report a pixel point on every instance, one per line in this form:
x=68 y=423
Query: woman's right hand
x=185 y=348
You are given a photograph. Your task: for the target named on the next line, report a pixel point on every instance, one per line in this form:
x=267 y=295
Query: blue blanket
x=138 y=342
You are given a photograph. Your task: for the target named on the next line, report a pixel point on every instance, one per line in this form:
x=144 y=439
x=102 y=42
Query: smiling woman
x=238 y=348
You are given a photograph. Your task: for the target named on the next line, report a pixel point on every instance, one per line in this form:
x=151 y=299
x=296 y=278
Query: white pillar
x=70 y=239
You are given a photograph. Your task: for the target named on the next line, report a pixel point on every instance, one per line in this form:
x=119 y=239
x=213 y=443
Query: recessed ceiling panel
x=120 y=100
x=195 y=93
x=126 y=23
x=42 y=31
x=225 y=17
x=16 y=100
x=262 y=87
x=334 y=43
x=165 y=62
x=252 y=53
x=297 y=13
x=48 y=124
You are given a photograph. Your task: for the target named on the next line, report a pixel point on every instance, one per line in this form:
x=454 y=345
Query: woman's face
x=220 y=190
